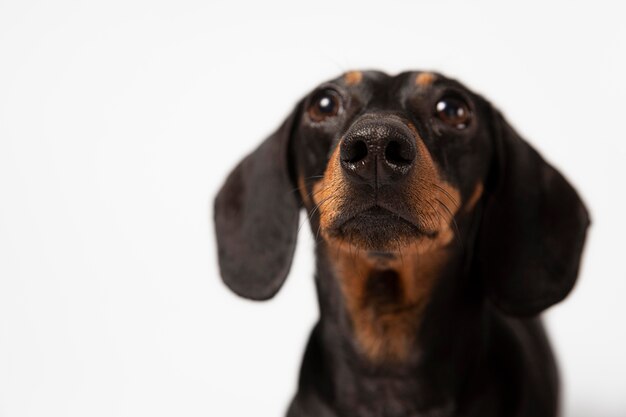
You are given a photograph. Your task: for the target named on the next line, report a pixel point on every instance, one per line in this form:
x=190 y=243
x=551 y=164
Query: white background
x=120 y=119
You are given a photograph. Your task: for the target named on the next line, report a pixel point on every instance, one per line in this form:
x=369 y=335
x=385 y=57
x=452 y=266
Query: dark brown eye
x=325 y=104
x=453 y=111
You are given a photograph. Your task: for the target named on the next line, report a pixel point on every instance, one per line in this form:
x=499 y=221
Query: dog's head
x=386 y=164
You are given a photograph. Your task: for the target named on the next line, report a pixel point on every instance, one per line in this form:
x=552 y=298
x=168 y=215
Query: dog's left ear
x=256 y=219
x=533 y=228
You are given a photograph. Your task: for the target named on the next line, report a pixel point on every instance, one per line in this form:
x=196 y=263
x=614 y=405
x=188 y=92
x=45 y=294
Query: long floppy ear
x=256 y=219
x=533 y=228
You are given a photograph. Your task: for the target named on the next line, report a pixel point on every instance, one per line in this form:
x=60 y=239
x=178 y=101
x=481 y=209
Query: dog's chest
x=395 y=397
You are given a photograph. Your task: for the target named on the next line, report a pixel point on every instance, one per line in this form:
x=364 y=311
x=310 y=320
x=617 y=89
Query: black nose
x=380 y=152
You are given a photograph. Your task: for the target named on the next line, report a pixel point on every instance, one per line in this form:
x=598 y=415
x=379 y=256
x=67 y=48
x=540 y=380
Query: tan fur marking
x=306 y=198
x=386 y=332
x=471 y=202
x=328 y=192
x=353 y=77
x=424 y=79
x=436 y=201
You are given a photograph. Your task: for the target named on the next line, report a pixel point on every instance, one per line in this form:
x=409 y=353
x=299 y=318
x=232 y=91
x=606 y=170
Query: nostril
x=399 y=153
x=355 y=152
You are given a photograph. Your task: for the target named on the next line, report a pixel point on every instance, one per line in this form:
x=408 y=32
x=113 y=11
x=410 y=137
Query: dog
x=441 y=235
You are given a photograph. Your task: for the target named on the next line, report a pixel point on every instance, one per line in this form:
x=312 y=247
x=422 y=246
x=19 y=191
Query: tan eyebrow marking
x=353 y=77
x=425 y=79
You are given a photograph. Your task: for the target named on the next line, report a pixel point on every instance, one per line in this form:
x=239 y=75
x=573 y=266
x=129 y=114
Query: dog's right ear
x=256 y=218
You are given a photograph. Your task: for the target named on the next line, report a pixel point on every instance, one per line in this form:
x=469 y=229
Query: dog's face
x=385 y=165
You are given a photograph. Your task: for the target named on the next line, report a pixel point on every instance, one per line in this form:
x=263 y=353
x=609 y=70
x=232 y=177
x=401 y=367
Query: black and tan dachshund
x=440 y=237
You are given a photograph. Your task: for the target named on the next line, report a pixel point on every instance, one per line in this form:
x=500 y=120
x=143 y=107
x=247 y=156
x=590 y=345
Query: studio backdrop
x=120 y=120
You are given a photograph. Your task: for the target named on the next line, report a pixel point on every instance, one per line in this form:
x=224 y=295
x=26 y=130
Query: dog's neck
x=376 y=327
x=385 y=297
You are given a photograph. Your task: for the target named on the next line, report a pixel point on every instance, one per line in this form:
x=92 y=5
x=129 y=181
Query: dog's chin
x=378 y=231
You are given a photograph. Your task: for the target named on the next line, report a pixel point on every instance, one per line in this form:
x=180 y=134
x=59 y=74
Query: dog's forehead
x=373 y=80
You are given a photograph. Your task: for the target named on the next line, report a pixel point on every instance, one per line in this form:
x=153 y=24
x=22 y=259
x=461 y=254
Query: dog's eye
x=325 y=104
x=453 y=111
